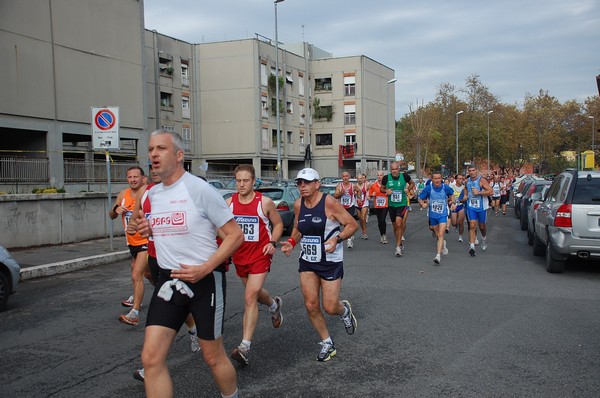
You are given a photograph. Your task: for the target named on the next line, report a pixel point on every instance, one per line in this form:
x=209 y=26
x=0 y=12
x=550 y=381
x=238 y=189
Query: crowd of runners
x=183 y=237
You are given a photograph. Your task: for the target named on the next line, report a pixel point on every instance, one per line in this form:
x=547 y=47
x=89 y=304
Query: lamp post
x=457 y=113
x=387 y=129
x=593 y=132
x=277 y=95
x=488 y=143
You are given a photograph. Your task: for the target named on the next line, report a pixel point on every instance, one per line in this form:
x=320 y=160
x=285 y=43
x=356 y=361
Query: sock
x=328 y=340
x=136 y=312
x=273 y=306
x=234 y=395
x=246 y=343
x=472 y=245
x=192 y=330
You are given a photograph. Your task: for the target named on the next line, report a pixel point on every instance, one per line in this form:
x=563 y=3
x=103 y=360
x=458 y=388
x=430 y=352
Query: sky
x=516 y=47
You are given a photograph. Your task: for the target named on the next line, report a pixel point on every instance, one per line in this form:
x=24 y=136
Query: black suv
x=567 y=222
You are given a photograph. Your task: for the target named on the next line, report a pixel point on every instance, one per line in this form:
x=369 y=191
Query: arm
x=338 y=191
x=271 y=212
x=116 y=210
x=487 y=189
x=133 y=221
x=295 y=236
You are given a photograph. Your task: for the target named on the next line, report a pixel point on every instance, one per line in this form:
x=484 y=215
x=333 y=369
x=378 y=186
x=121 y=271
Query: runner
x=397 y=187
x=419 y=188
x=363 y=199
x=380 y=206
x=478 y=189
x=505 y=193
x=437 y=196
x=186 y=214
x=138 y=245
x=319 y=218
x=457 y=217
x=497 y=188
x=262 y=227
x=347 y=193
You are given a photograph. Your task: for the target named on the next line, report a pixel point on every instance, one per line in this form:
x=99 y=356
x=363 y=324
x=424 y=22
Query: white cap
x=307 y=174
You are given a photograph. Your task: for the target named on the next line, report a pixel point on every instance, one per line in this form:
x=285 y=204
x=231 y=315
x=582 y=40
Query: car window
x=554 y=188
x=295 y=193
x=587 y=191
x=562 y=195
x=274 y=194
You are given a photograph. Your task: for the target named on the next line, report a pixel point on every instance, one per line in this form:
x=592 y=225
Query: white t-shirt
x=185 y=218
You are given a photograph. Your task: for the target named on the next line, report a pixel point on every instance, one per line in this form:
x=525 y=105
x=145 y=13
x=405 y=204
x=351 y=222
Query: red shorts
x=258 y=267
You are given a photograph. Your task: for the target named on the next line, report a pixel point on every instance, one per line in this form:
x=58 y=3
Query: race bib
x=475 y=202
x=396 y=196
x=249 y=226
x=127 y=216
x=496 y=190
x=311 y=249
x=437 y=206
x=346 y=200
x=380 y=201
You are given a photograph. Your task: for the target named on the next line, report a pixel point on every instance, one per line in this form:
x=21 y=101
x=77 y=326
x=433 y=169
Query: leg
x=440 y=230
x=311 y=287
x=137 y=276
x=363 y=220
x=221 y=367
x=483 y=229
x=254 y=294
x=157 y=342
x=472 y=231
x=461 y=222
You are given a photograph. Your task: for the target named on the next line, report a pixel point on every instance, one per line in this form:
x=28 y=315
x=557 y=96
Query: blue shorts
x=458 y=208
x=433 y=221
x=328 y=272
x=477 y=215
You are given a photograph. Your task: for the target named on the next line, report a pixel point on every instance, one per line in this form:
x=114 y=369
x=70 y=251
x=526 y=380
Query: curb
x=62 y=267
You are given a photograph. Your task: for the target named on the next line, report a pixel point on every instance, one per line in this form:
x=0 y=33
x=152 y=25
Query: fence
x=22 y=170
x=91 y=171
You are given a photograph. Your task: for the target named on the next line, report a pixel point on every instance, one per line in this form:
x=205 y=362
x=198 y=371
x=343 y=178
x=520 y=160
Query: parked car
x=328 y=188
x=217 y=184
x=519 y=191
x=536 y=199
x=10 y=275
x=567 y=222
x=227 y=193
x=284 y=198
x=525 y=202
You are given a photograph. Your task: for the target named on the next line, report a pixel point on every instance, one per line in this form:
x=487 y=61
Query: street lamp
x=277 y=95
x=593 y=131
x=457 y=113
x=488 y=120
x=387 y=105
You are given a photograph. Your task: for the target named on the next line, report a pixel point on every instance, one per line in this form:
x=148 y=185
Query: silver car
x=10 y=274
x=567 y=222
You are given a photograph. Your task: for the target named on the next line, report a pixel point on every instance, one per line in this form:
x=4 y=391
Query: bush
x=48 y=190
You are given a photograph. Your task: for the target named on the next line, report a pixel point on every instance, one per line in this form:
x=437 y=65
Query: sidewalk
x=51 y=260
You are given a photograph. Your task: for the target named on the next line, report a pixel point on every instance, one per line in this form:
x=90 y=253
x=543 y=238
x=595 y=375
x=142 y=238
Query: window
x=186 y=134
x=349 y=85
x=323 y=84
x=264 y=79
x=265 y=139
x=349 y=114
x=301 y=84
x=185 y=107
x=165 y=100
x=274 y=138
x=185 y=77
x=167 y=128
x=289 y=137
x=264 y=106
x=165 y=66
x=323 y=139
x=350 y=139
x=301 y=106
x=288 y=78
x=289 y=107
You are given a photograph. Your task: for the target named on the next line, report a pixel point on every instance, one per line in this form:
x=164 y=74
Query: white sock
x=193 y=330
x=246 y=343
x=273 y=306
x=328 y=340
x=136 y=312
x=234 y=395
x=472 y=245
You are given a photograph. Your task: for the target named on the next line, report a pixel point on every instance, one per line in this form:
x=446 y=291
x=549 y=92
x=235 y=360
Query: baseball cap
x=307 y=174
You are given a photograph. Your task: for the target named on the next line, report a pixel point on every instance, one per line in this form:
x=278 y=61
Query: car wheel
x=552 y=265
x=529 y=236
x=523 y=221
x=538 y=246
x=4 y=291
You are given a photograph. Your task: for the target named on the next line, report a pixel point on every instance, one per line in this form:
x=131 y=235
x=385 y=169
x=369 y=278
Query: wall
x=51 y=219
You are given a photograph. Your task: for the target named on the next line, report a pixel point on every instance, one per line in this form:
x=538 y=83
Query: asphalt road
x=496 y=325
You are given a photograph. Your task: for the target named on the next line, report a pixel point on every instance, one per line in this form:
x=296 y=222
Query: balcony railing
x=95 y=171
x=21 y=169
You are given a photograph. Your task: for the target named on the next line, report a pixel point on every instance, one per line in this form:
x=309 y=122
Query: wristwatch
x=339 y=238
x=273 y=243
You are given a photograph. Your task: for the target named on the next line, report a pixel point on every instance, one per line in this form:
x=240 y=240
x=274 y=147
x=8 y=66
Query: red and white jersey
x=347 y=199
x=256 y=227
x=147 y=209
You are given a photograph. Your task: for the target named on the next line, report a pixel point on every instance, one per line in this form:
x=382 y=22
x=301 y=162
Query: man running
x=397 y=186
x=437 y=196
x=380 y=206
x=262 y=227
x=317 y=224
x=363 y=199
x=138 y=245
x=457 y=216
x=186 y=214
x=348 y=193
x=496 y=193
x=478 y=191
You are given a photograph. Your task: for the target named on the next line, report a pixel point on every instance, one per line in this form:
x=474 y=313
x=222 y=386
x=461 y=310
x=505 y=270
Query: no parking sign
x=105 y=127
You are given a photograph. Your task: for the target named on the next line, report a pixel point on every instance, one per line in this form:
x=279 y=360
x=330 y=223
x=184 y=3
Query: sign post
x=105 y=136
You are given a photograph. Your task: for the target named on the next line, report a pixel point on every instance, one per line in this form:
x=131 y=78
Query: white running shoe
x=476 y=241
x=437 y=259
x=398 y=251
x=385 y=240
x=460 y=238
x=483 y=244
x=444 y=249
x=350 y=243
x=194 y=342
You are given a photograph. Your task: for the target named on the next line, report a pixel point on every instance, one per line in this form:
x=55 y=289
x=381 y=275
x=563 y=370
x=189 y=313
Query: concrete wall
x=51 y=219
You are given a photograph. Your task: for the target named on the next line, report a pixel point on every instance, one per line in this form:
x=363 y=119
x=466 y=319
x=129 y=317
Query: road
x=496 y=325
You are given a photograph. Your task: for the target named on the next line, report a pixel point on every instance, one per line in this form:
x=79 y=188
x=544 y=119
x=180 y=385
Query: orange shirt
x=129 y=202
x=381 y=199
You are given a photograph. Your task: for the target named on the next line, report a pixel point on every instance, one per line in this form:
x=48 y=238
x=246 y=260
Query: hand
x=120 y=210
x=286 y=247
x=268 y=249
x=143 y=225
x=189 y=273
x=331 y=244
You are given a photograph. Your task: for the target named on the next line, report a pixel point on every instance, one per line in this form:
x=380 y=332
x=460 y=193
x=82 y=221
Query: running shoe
x=460 y=238
x=381 y=239
x=483 y=244
x=131 y=318
x=444 y=249
x=385 y=239
x=472 y=252
x=327 y=352
x=403 y=238
x=277 y=316
x=241 y=354
x=139 y=375
x=503 y=213
x=476 y=241
x=128 y=302
x=398 y=251
x=350 y=243
x=349 y=320
x=365 y=237
x=437 y=259
x=194 y=342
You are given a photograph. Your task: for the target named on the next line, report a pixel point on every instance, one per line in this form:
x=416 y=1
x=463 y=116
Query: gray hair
x=177 y=140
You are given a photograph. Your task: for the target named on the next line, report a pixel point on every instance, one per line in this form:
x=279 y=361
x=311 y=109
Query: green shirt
x=398 y=197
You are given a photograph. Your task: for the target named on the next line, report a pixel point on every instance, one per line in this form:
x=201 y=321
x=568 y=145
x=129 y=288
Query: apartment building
x=64 y=57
